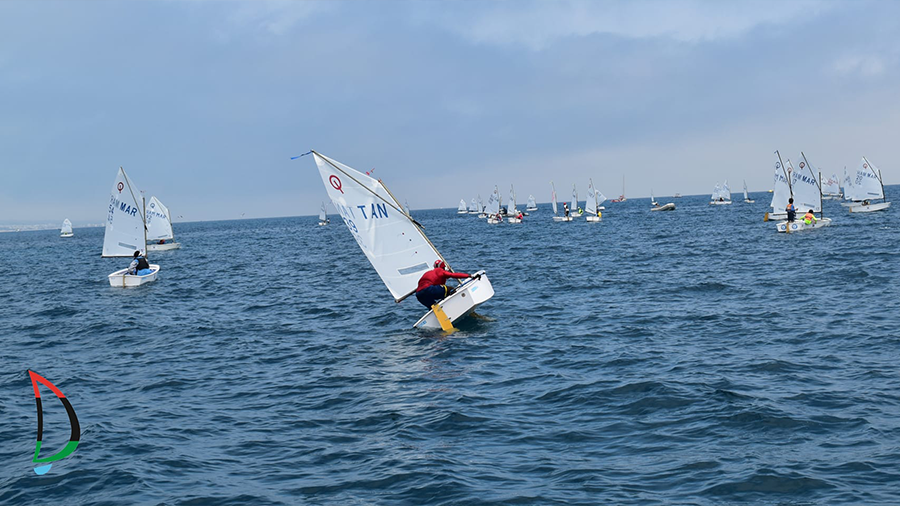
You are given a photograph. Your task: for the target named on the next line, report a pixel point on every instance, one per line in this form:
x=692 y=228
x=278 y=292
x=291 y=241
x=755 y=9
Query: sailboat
x=394 y=243
x=747 y=199
x=781 y=191
x=462 y=207
x=831 y=188
x=531 y=205
x=481 y=214
x=556 y=216
x=592 y=205
x=512 y=214
x=721 y=195
x=867 y=186
x=160 y=235
x=654 y=205
x=575 y=211
x=126 y=231
x=66 y=229
x=622 y=196
x=493 y=208
x=406 y=207
x=323 y=216
x=806 y=190
x=474 y=208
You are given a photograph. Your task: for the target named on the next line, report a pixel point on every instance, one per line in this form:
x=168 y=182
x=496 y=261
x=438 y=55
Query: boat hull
x=531 y=209
x=562 y=218
x=163 y=247
x=468 y=296
x=592 y=219
x=869 y=208
x=667 y=207
x=800 y=225
x=67 y=235
x=513 y=220
x=120 y=279
x=494 y=221
x=749 y=201
x=720 y=203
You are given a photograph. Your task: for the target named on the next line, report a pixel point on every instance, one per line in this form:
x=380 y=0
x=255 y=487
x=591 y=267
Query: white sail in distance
x=590 y=205
x=124 y=219
x=393 y=243
x=493 y=205
x=782 y=185
x=462 y=206
x=511 y=208
x=726 y=191
x=531 y=203
x=473 y=206
x=553 y=198
x=717 y=192
x=867 y=183
x=805 y=187
x=831 y=185
x=159 y=222
x=746 y=196
x=66 y=227
x=574 y=207
x=848 y=185
x=323 y=214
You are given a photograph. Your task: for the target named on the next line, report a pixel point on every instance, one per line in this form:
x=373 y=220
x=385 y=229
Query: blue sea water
x=692 y=357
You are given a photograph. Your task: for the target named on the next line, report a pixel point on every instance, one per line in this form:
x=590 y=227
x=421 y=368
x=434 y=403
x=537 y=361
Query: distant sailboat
x=654 y=205
x=511 y=211
x=160 y=235
x=621 y=197
x=481 y=214
x=747 y=199
x=831 y=188
x=474 y=208
x=721 y=194
x=806 y=190
x=781 y=191
x=493 y=208
x=592 y=205
x=394 y=243
x=867 y=186
x=575 y=210
x=531 y=205
x=66 y=229
x=406 y=207
x=323 y=216
x=553 y=204
x=126 y=231
x=462 y=207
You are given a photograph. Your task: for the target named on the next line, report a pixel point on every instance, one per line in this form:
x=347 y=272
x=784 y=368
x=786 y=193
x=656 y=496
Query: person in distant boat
x=599 y=214
x=499 y=217
x=520 y=215
x=809 y=218
x=791 y=210
x=431 y=287
x=865 y=202
x=721 y=199
x=161 y=241
x=566 y=209
x=139 y=265
x=580 y=211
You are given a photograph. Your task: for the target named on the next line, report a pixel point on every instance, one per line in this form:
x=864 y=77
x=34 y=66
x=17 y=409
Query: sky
x=204 y=102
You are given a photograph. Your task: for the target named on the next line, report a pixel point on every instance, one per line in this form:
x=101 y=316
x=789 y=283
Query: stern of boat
x=468 y=296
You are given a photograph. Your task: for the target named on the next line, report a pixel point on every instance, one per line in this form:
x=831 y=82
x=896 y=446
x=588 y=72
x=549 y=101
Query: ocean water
x=692 y=357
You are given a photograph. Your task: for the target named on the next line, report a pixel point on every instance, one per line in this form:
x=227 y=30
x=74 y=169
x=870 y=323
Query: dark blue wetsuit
x=431 y=285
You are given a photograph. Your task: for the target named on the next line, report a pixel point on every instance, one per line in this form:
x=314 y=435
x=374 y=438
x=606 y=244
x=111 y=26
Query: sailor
x=791 y=210
x=520 y=215
x=599 y=214
x=431 y=285
x=809 y=218
x=139 y=265
x=566 y=209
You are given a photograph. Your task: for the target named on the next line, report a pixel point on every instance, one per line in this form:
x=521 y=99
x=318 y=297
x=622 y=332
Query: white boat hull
x=494 y=221
x=869 y=208
x=468 y=296
x=120 y=279
x=719 y=202
x=462 y=212
x=667 y=207
x=775 y=216
x=67 y=235
x=532 y=209
x=513 y=220
x=749 y=201
x=800 y=225
x=592 y=219
x=163 y=247
x=562 y=218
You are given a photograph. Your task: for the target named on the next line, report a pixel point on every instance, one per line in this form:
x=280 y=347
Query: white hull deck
x=531 y=209
x=668 y=207
x=592 y=219
x=494 y=221
x=67 y=235
x=120 y=279
x=468 y=296
x=859 y=208
x=800 y=225
x=562 y=218
x=719 y=202
x=513 y=220
x=749 y=201
x=167 y=246
x=775 y=216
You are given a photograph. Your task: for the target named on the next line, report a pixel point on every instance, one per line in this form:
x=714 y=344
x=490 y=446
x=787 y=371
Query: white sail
x=717 y=192
x=66 y=227
x=531 y=203
x=574 y=207
x=462 y=206
x=781 y=185
x=480 y=204
x=473 y=206
x=493 y=205
x=831 y=185
x=590 y=205
x=159 y=222
x=805 y=187
x=124 y=220
x=553 y=198
x=867 y=183
x=849 y=191
x=726 y=191
x=394 y=244
x=511 y=209
x=746 y=196
x=406 y=206
x=323 y=213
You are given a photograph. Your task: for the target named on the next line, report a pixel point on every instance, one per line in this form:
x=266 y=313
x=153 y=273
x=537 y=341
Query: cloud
x=275 y=17
x=856 y=65
x=537 y=24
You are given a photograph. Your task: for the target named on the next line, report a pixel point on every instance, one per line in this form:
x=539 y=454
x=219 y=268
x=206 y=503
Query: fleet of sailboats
x=394 y=243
